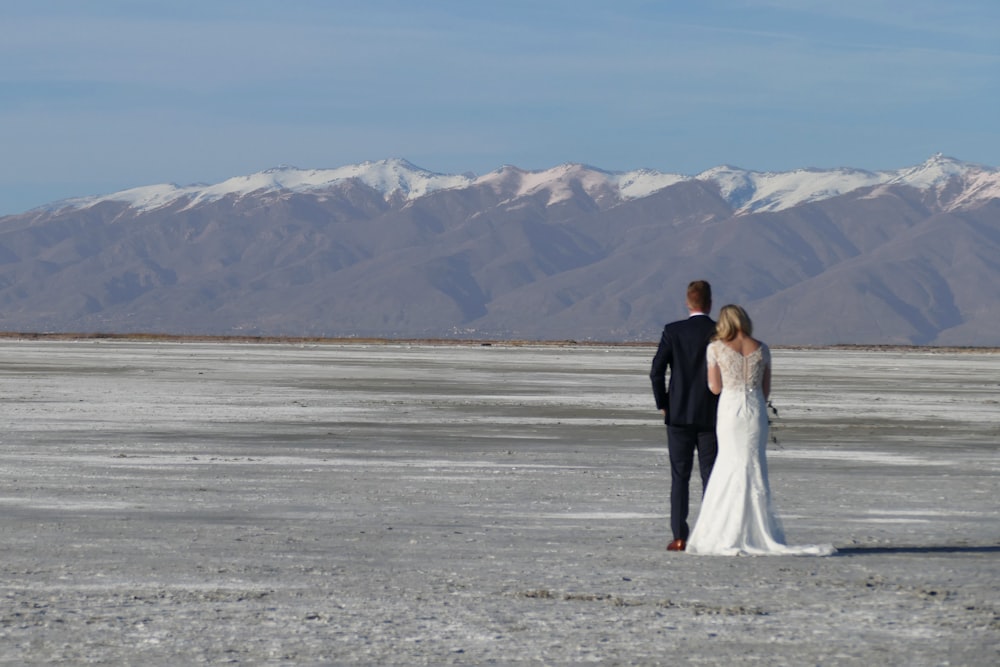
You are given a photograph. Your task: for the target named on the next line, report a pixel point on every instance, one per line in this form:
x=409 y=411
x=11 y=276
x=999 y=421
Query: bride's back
x=743 y=366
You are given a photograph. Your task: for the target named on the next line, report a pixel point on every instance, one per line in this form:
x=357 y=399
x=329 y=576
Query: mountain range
x=387 y=249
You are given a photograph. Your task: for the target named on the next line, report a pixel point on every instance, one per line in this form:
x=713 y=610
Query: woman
x=736 y=516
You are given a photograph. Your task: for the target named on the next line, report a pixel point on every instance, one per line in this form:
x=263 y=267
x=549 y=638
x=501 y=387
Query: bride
x=736 y=516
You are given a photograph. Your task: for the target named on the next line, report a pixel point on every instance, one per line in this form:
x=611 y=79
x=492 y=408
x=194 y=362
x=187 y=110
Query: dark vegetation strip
x=199 y=338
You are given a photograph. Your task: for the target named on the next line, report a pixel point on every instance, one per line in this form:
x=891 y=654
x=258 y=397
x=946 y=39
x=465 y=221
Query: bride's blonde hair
x=732 y=320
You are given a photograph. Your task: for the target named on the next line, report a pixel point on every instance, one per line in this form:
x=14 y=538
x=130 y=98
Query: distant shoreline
x=467 y=342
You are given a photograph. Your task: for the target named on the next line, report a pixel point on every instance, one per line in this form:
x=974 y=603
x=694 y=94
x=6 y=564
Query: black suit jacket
x=682 y=349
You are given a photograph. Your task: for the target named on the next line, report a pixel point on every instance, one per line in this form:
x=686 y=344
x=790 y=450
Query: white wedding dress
x=736 y=516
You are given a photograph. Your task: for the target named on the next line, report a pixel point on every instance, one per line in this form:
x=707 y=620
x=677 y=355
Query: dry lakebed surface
x=177 y=503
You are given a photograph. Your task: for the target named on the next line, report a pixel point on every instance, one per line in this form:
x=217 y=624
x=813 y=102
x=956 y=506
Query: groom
x=688 y=407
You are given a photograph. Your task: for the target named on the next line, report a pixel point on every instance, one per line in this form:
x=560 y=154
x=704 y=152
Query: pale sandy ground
x=185 y=503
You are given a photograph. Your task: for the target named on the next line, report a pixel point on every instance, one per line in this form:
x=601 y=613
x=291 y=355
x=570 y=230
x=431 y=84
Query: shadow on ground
x=955 y=549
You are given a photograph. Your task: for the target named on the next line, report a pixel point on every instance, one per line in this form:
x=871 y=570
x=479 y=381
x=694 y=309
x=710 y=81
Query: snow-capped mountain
x=746 y=191
x=386 y=176
x=386 y=249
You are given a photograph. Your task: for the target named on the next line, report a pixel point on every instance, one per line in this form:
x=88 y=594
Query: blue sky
x=105 y=95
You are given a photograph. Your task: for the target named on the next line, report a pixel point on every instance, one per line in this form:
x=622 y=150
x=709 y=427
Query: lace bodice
x=739 y=373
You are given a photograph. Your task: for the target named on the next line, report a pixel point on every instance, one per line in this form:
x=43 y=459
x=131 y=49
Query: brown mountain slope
x=873 y=266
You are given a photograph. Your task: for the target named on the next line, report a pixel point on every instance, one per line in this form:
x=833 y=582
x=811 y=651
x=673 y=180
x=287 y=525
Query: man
x=688 y=406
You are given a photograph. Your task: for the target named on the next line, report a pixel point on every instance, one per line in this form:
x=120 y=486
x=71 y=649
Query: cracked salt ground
x=183 y=503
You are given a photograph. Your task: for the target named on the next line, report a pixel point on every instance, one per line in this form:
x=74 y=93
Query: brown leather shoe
x=677 y=545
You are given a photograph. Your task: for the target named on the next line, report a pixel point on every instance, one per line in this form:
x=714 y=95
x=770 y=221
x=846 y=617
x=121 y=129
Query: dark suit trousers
x=683 y=442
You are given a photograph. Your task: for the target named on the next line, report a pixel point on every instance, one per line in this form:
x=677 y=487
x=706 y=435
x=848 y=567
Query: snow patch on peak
x=145 y=198
x=933 y=173
x=954 y=183
x=644 y=182
x=752 y=191
x=979 y=186
x=504 y=179
x=737 y=186
x=391 y=176
x=781 y=191
x=558 y=182
x=387 y=176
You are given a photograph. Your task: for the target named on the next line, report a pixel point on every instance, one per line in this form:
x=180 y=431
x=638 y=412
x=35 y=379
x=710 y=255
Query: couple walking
x=716 y=406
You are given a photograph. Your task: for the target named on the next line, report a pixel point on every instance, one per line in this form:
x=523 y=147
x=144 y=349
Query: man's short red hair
x=699 y=295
